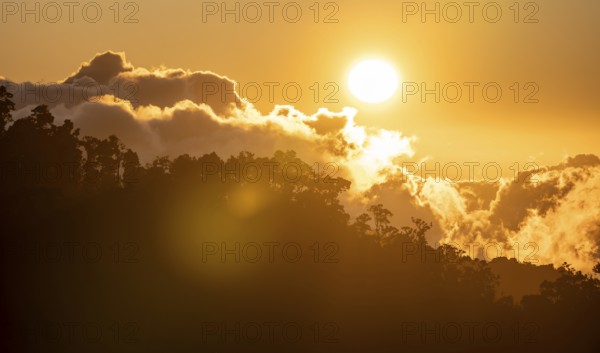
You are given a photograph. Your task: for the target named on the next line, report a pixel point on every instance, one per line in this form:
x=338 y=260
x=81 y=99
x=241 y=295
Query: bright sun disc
x=373 y=81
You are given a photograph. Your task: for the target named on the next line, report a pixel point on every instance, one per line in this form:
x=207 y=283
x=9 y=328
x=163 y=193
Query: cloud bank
x=163 y=111
x=549 y=218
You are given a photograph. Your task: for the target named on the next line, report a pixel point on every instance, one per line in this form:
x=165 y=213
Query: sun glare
x=373 y=81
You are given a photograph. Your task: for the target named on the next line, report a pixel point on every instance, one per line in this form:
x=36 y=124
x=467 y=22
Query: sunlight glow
x=373 y=81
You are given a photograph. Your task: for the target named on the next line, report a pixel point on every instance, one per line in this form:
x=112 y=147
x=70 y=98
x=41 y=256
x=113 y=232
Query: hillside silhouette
x=244 y=254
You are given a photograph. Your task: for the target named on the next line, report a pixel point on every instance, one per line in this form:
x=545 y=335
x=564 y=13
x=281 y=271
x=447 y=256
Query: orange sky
x=559 y=54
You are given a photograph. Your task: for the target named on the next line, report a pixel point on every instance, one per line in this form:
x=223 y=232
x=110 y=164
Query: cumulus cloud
x=109 y=73
x=196 y=129
x=163 y=111
x=550 y=217
x=102 y=68
x=168 y=111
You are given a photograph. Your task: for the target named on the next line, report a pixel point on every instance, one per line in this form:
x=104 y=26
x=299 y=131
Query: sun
x=373 y=81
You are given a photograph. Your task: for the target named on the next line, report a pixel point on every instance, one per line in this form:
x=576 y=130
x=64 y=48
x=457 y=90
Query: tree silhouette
x=6 y=107
x=381 y=217
x=364 y=278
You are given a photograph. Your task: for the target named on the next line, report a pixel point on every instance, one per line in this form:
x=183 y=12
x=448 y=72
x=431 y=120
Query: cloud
x=326 y=124
x=195 y=129
x=102 y=68
x=548 y=219
x=110 y=74
x=165 y=111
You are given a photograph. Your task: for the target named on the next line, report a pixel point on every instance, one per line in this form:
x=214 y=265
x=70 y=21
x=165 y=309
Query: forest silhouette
x=102 y=253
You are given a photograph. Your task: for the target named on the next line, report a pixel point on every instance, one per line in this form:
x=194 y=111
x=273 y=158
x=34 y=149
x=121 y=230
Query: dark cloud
x=515 y=201
x=325 y=124
x=102 y=68
x=186 y=124
x=110 y=74
x=477 y=195
x=583 y=160
x=165 y=88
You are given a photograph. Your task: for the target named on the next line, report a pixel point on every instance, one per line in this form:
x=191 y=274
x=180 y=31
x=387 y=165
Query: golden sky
x=559 y=54
x=546 y=51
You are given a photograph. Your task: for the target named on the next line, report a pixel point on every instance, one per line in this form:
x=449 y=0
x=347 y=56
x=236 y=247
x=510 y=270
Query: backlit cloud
x=164 y=111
